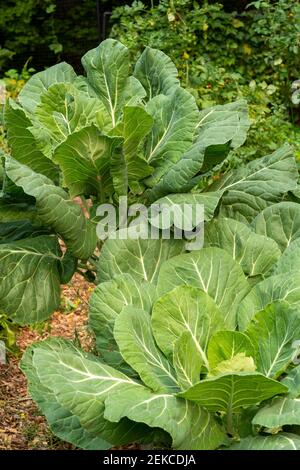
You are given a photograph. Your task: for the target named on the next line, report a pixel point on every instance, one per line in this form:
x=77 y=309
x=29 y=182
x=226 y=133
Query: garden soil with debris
x=21 y=425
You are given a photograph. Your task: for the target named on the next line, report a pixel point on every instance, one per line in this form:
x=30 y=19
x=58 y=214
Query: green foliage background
x=225 y=55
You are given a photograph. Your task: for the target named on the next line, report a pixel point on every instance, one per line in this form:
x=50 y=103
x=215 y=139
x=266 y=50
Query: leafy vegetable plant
x=78 y=141
x=194 y=350
x=114 y=132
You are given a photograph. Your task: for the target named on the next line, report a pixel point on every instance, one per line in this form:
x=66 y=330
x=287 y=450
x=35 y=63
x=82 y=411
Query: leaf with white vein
x=187 y=361
x=231 y=392
x=273 y=331
x=107 y=301
x=55 y=209
x=30 y=95
x=156 y=72
x=255 y=253
x=181 y=204
x=22 y=142
x=63 y=110
x=225 y=345
x=258 y=184
x=231 y=118
x=218 y=129
x=84 y=159
x=281 y=222
x=107 y=69
x=282 y=287
x=30 y=280
x=212 y=270
x=134 y=337
x=174 y=120
x=281 y=411
x=185 y=309
x=81 y=385
x=190 y=426
x=61 y=421
x=282 y=441
x=142 y=258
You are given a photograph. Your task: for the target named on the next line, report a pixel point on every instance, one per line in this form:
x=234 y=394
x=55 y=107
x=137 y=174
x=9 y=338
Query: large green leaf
x=190 y=426
x=177 y=203
x=280 y=222
x=283 y=287
x=292 y=381
x=279 y=412
x=290 y=259
x=30 y=95
x=81 y=385
x=23 y=145
x=187 y=361
x=55 y=209
x=156 y=72
x=258 y=184
x=84 y=158
x=282 y=441
x=62 y=423
x=107 y=301
x=185 y=309
x=174 y=120
x=231 y=119
x=217 y=129
x=255 y=253
x=134 y=337
x=225 y=345
x=134 y=127
x=63 y=110
x=231 y=392
x=274 y=331
x=107 y=69
x=30 y=280
x=142 y=258
x=212 y=270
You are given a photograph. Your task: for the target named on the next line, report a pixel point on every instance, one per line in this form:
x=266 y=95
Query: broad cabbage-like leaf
x=30 y=279
x=255 y=253
x=212 y=270
x=55 y=209
x=282 y=287
x=281 y=222
x=189 y=310
x=141 y=257
x=156 y=72
x=274 y=332
x=260 y=183
x=282 y=441
x=30 y=95
x=279 y=412
x=107 y=302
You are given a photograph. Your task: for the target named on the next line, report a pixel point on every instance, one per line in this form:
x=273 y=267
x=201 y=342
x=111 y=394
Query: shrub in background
x=223 y=56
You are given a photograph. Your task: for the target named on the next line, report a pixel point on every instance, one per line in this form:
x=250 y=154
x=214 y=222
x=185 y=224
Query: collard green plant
x=116 y=131
x=120 y=130
x=194 y=350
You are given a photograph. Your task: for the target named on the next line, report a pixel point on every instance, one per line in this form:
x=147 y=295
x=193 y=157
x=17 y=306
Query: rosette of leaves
x=193 y=350
x=78 y=141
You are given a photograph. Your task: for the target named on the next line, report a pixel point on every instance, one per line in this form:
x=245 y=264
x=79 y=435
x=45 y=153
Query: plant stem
x=229 y=421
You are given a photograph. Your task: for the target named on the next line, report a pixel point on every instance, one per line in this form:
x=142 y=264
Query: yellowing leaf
x=247 y=49
x=239 y=363
x=236 y=23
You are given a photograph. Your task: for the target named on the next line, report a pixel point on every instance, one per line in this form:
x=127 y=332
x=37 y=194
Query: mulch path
x=21 y=425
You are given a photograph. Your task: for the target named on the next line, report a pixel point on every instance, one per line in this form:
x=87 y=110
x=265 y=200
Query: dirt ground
x=21 y=425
